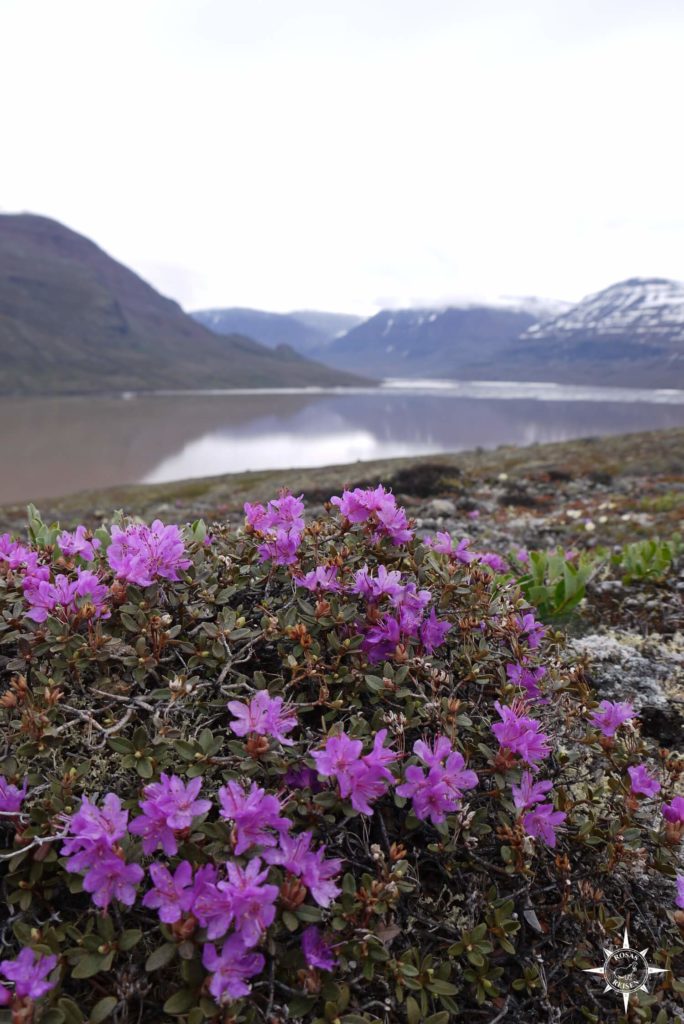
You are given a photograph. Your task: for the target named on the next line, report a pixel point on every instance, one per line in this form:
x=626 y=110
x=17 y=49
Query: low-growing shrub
x=312 y=771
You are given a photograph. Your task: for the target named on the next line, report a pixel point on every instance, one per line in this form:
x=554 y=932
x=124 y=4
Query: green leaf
x=71 y=1010
x=441 y=988
x=299 y=1006
x=160 y=957
x=413 y=1013
x=179 y=1002
x=130 y=938
x=438 y=1018
x=89 y=965
x=102 y=1010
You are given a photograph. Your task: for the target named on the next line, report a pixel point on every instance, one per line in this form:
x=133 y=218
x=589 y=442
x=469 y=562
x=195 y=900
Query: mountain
x=630 y=334
x=427 y=342
x=74 y=320
x=307 y=331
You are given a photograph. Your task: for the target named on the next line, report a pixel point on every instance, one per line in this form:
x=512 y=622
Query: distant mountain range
x=630 y=334
x=307 y=331
x=73 y=320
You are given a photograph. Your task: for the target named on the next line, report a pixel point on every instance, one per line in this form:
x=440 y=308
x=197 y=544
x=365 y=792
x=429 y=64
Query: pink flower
x=523 y=555
x=68 y=595
x=76 y=543
x=642 y=782
x=212 y=902
x=380 y=641
x=387 y=583
x=172 y=894
x=92 y=823
x=494 y=561
x=252 y=901
x=680 y=891
x=542 y=823
x=317 y=874
x=323 y=577
x=610 y=716
x=11 y=798
x=169 y=807
x=316 y=950
x=531 y=630
x=674 y=812
x=529 y=792
x=111 y=878
x=263 y=715
x=16 y=556
x=230 y=969
x=439 y=791
x=337 y=757
x=361 y=778
x=142 y=554
x=526 y=678
x=433 y=631
x=29 y=973
x=294 y=854
x=253 y=814
x=520 y=734
x=281 y=548
x=379 y=507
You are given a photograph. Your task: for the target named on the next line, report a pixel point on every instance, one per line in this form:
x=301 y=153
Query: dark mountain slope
x=74 y=320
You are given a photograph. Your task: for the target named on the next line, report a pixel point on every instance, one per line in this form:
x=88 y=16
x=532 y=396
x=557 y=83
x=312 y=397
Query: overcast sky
x=350 y=154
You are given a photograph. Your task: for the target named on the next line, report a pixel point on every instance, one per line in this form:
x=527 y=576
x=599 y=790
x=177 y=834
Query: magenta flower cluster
x=363 y=778
x=77 y=543
x=255 y=815
x=520 y=734
x=527 y=678
x=642 y=782
x=29 y=973
x=142 y=554
x=281 y=523
x=443 y=544
x=610 y=716
x=170 y=806
x=379 y=509
x=408 y=621
x=439 y=790
x=93 y=848
x=232 y=896
x=263 y=715
x=674 y=812
x=11 y=797
x=87 y=593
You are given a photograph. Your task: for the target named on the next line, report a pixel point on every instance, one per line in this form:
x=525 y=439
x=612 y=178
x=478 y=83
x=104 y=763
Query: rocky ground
x=584 y=494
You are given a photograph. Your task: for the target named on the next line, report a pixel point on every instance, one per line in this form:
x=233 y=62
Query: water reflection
x=55 y=446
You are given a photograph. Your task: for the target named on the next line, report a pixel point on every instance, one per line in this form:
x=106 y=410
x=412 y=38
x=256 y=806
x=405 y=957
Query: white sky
x=349 y=154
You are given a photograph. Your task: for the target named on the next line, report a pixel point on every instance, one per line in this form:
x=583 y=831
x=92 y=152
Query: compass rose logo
x=625 y=970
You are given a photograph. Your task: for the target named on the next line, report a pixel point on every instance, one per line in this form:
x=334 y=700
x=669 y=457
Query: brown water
x=53 y=446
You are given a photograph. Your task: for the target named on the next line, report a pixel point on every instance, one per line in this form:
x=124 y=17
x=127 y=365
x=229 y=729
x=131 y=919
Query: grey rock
x=648 y=671
x=440 y=507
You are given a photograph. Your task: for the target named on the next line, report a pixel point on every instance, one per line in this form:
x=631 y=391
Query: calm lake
x=53 y=446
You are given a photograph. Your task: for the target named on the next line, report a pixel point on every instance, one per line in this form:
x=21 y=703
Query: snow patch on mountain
x=639 y=307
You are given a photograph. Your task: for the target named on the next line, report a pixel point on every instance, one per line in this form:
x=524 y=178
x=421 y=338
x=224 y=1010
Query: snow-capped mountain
x=427 y=342
x=651 y=308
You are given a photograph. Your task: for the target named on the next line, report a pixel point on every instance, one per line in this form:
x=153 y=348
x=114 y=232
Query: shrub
x=314 y=771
